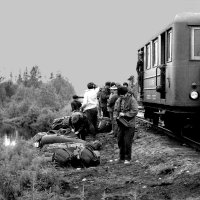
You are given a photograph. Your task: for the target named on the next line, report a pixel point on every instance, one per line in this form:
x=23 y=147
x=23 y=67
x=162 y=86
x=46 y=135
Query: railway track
x=161 y=128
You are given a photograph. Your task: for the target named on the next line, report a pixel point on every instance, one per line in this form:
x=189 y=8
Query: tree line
x=31 y=103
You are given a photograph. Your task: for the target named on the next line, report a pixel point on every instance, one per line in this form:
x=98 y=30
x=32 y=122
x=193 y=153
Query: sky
x=84 y=40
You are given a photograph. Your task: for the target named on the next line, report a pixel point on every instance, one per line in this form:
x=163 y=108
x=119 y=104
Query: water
x=8 y=141
x=11 y=134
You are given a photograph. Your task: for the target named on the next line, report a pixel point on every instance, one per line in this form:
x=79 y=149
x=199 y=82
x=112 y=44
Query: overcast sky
x=85 y=40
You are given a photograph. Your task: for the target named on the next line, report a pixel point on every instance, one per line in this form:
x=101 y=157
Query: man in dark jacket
x=75 y=104
x=125 y=110
x=103 y=98
x=81 y=125
x=140 y=71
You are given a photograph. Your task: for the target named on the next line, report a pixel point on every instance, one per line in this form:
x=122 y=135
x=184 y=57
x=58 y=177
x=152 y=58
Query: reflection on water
x=9 y=134
x=8 y=141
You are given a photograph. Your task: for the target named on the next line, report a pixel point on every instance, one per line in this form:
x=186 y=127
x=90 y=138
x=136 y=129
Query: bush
x=12 y=110
x=44 y=120
x=47 y=97
x=7 y=129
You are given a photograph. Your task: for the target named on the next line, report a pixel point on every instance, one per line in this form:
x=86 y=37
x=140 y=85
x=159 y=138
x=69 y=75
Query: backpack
x=76 y=157
x=89 y=158
x=63 y=157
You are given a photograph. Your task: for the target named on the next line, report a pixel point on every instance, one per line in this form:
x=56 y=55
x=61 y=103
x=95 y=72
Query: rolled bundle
x=54 y=138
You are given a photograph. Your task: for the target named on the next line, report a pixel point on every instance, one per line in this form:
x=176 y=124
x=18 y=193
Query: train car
x=170 y=77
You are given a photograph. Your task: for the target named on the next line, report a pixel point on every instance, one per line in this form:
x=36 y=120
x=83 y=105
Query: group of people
x=115 y=101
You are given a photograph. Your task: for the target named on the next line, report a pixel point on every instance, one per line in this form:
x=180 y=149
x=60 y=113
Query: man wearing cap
x=90 y=104
x=125 y=110
x=75 y=104
x=110 y=106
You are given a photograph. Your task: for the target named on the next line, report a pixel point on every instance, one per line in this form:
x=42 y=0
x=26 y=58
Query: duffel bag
x=54 y=138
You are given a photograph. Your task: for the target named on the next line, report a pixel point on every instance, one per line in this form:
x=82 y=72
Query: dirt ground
x=161 y=168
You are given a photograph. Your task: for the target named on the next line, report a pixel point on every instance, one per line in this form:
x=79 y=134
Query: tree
x=19 y=79
x=25 y=77
x=35 y=77
x=51 y=76
x=7 y=90
x=47 y=97
x=2 y=95
x=1 y=78
x=63 y=89
x=11 y=76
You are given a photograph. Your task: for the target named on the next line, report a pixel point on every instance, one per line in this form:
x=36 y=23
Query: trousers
x=125 y=139
x=92 y=117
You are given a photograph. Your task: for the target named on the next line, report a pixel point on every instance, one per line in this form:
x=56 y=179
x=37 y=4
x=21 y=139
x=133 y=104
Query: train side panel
x=180 y=73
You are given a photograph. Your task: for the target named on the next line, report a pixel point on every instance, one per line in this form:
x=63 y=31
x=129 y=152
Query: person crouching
x=81 y=125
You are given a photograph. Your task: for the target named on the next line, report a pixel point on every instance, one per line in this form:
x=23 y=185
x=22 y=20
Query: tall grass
x=24 y=173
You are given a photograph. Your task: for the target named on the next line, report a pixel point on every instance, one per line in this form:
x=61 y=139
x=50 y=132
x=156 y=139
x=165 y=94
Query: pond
x=11 y=134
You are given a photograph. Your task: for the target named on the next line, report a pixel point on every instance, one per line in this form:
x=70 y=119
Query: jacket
x=103 y=97
x=129 y=106
x=111 y=102
x=75 y=105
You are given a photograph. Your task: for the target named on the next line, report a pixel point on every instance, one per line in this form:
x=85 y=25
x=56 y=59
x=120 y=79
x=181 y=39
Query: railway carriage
x=171 y=77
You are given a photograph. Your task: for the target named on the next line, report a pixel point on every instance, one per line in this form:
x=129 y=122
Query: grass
x=25 y=175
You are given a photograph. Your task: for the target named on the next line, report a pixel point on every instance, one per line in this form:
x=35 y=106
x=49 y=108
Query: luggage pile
x=64 y=150
x=61 y=125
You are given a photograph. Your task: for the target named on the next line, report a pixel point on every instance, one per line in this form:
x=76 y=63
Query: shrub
x=12 y=110
x=44 y=120
x=48 y=97
x=7 y=129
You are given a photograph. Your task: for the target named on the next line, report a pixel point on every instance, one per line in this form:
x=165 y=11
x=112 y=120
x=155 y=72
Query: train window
x=162 y=59
x=155 y=53
x=195 y=43
x=148 y=56
x=169 y=45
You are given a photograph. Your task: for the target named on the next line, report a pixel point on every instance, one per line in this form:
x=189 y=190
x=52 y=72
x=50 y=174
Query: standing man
x=132 y=87
x=90 y=104
x=125 y=110
x=75 y=104
x=103 y=98
x=111 y=103
x=140 y=72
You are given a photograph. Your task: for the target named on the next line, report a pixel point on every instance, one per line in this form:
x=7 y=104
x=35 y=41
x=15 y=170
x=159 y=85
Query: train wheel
x=172 y=122
x=155 y=119
x=150 y=114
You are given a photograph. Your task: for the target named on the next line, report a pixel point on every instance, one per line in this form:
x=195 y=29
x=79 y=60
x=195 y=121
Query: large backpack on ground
x=66 y=157
x=104 y=125
x=63 y=157
x=89 y=157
